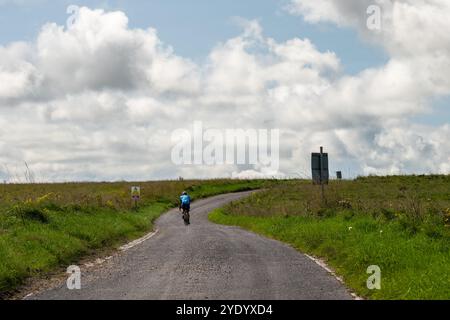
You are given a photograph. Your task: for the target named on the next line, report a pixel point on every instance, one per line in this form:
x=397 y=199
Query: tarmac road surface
x=204 y=261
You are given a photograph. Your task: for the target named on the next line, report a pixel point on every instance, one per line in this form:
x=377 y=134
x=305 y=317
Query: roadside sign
x=320 y=173
x=319 y=165
x=136 y=193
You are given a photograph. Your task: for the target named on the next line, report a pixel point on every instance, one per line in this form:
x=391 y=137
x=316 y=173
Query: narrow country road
x=205 y=261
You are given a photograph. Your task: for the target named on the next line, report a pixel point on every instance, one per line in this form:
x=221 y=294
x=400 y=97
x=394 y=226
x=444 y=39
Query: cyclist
x=185 y=202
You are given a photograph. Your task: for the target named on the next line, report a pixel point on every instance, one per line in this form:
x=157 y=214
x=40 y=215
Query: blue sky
x=75 y=106
x=194 y=27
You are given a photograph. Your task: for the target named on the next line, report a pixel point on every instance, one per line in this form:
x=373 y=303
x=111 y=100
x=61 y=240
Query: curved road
x=205 y=261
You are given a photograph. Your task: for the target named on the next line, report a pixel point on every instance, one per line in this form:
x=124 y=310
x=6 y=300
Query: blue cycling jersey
x=185 y=200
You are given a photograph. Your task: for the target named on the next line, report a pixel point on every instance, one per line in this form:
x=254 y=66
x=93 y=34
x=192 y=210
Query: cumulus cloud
x=405 y=23
x=413 y=33
x=99 y=100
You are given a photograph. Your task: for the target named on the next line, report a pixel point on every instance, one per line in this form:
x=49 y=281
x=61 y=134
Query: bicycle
x=186 y=216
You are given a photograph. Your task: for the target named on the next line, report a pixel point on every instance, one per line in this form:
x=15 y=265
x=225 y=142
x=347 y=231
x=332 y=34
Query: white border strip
x=138 y=241
x=99 y=261
x=324 y=266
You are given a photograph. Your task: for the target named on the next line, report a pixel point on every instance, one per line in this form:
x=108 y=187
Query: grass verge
x=411 y=248
x=41 y=234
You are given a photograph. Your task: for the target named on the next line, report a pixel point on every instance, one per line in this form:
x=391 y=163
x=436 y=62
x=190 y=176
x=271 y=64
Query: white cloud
x=122 y=58
x=414 y=35
x=17 y=75
x=410 y=28
x=100 y=100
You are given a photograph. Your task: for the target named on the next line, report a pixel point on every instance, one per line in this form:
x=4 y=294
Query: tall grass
x=49 y=225
x=398 y=223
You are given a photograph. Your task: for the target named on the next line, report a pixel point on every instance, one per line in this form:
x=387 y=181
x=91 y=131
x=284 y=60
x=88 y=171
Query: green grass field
x=43 y=227
x=401 y=224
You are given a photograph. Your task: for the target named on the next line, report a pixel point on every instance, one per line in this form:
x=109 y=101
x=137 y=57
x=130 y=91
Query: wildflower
x=350 y=228
x=110 y=204
x=447 y=217
x=44 y=198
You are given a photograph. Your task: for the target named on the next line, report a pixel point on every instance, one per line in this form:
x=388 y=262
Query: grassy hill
x=44 y=226
x=399 y=223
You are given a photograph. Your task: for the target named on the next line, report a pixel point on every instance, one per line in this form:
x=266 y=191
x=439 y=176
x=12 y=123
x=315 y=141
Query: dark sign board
x=339 y=175
x=319 y=165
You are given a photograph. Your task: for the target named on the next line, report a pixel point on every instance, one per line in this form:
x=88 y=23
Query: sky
x=99 y=99
x=200 y=25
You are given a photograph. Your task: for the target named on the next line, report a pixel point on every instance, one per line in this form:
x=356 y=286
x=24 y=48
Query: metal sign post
x=321 y=175
x=136 y=195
